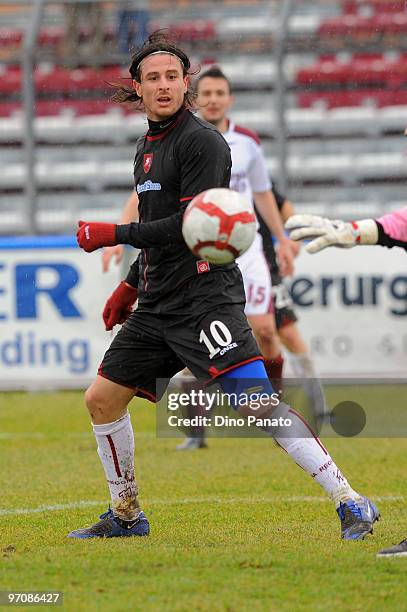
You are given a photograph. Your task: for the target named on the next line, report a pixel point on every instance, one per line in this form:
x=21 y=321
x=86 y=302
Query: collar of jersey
x=158 y=129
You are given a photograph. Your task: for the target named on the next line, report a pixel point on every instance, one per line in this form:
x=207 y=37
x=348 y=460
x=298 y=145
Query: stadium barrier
x=51 y=300
x=352 y=307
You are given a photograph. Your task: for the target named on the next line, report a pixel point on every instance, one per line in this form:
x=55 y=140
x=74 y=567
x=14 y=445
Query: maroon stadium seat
x=50 y=108
x=10 y=37
x=359 y=97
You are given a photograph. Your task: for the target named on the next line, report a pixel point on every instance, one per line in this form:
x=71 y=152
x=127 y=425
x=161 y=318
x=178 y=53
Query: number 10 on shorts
x=220 y=338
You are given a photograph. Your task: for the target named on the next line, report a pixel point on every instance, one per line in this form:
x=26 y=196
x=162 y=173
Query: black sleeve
x=133 y=274
x=153 y=233
x=205 y=163
x=385 y=240
x=280 y=199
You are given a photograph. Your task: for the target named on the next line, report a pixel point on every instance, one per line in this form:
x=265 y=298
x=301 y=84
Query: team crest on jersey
x=148 y=161
x=202 y=266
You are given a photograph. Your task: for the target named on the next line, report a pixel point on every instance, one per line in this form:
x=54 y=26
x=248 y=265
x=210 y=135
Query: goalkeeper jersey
x=393 y=229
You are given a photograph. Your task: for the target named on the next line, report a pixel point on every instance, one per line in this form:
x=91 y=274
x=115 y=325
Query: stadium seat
x=51 y=36
x=362 y=97
x=10 y=37
x=114 y=127
x=342 y=103
x=53 y=108
x=99 y=174
x=355 y=25
x=191 y=31
x=10 y=108
x=363 y=79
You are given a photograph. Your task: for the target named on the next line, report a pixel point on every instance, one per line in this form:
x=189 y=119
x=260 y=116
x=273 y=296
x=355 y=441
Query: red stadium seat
x=378 y=6
x=391 y=6
x=360 y=26
x=391 y=23
x=51 y=36
x=362 y=97
x=190 y=31
x=10 y=108
x=350 y=7
x=65 y=81
x=358 y=71
x=10 y=37
x=335 y=26
x=50 y=108
x=10 y=81
x=76 y=107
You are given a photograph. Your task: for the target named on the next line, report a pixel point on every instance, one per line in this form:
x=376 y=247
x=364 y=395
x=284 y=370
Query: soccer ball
x=219 y=225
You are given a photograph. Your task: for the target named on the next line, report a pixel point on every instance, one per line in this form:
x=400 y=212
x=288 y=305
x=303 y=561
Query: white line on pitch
x=54 y=508
x=61 y=434
x=192 y=500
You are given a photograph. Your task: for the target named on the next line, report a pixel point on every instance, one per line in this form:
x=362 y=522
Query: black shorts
x=210 y=337
x=283 y=305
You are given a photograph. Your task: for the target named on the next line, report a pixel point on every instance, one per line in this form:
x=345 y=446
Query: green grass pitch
x=236 y=527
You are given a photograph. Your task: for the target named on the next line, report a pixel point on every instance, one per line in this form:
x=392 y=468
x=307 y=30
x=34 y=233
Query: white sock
x=304 y=369
x=116 y=450
x=307 y=450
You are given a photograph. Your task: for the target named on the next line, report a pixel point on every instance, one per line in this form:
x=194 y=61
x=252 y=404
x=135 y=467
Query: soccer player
x=251 y=178
x=286 y=320
x=389 y=231
x=181 y=302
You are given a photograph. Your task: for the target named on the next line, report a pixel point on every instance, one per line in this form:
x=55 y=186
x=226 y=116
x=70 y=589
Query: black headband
x=152 y=50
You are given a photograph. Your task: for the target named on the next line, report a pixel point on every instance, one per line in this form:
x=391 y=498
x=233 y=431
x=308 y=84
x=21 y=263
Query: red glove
x=92 y=236
x=119 y=306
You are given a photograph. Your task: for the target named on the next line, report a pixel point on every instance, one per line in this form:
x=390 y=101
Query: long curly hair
x=156 y=42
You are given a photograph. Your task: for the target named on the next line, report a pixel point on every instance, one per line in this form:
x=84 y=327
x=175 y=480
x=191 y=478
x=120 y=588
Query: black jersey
x=174 y=162
x=386 y=240
x=266 y=236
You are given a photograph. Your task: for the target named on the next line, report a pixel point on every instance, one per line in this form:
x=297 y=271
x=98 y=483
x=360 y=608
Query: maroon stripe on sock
x=274 y=367
x=311 y=430
x=114 y=454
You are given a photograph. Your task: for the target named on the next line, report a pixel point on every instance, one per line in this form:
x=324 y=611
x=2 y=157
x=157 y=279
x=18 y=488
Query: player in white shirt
x=250 y=177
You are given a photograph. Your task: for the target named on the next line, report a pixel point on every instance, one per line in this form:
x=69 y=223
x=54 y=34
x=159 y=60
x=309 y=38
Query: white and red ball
x=219 y=225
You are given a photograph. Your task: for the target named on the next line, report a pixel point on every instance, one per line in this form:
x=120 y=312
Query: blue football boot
x=357 y=518
x=110 y=526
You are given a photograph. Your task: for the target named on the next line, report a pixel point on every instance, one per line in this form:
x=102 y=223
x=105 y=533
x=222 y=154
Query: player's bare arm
x=267 y=207
x=286 y=211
